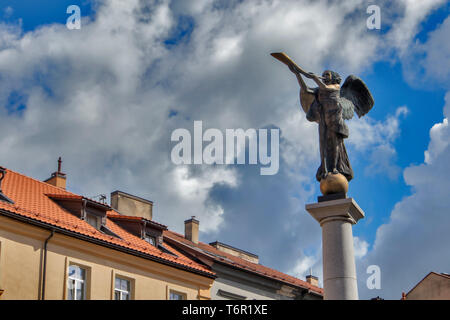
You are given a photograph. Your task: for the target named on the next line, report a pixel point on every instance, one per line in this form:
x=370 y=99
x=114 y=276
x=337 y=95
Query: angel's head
x=331 y=77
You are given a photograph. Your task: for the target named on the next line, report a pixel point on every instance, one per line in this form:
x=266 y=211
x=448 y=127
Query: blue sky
x=378 y=194
x=42 y=12
x=424 y=102
x=118 y=87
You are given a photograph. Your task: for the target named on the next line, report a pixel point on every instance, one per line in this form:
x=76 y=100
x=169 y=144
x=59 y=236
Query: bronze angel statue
x=329 y=105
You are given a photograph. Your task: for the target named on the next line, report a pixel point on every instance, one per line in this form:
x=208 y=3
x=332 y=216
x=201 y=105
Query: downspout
x=44 y=271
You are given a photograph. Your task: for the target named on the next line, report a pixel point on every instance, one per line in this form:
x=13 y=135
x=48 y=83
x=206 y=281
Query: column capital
x=341 y=209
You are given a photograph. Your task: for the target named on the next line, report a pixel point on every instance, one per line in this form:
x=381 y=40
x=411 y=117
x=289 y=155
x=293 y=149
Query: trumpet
x=283 y=57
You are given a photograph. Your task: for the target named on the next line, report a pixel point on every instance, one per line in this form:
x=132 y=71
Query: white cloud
x=438 y=142
x=303 y=266
x=307 y=265
x=427 y=64
x=193 y=193
x=190 y=6
x=367 y=132
x=101 y=98
x=227 y=48
x=376 y=140
x=407 y=25
x=437 y=54
x=360 y=247
x=415 y=240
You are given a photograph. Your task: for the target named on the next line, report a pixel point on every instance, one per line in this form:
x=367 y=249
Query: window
x=151 y=240
x=93 y=220
x=122 y=289
x=177 y=296
x=76 y=286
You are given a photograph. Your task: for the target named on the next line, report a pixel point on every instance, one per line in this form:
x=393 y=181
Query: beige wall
x=132 y=206
x=237 y=254
x=433 y=287
x=21 y=255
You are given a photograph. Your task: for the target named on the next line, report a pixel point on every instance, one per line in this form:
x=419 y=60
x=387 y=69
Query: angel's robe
x=326 y=109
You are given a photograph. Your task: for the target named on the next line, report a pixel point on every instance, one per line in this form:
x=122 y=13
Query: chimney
x=312 y=280
x=191 y=229
x=58 y=179
x=130 y=205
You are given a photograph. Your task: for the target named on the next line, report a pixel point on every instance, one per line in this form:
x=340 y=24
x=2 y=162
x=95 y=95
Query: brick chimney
x=191 y=227
x=312 y=280
x=58 y=179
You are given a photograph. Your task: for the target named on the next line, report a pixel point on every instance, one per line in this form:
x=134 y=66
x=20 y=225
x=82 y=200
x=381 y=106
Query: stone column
x=336 y=218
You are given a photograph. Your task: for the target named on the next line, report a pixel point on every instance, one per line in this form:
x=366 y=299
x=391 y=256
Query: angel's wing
x=355 y=97
x=348 y=108
x=307 y=98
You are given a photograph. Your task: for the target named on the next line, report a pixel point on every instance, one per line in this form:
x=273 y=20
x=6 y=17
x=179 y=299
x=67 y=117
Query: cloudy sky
x=108 y=96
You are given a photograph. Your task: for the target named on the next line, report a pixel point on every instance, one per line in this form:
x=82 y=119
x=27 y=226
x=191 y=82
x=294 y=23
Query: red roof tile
x=114 y=215
x=242 y=263
x=32 y=199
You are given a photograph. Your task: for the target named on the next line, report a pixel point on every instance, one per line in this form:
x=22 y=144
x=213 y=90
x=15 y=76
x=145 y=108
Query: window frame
x=76 y=281
x=121 y=291
x=98 y=220
x=147 y=236
x=178 y=293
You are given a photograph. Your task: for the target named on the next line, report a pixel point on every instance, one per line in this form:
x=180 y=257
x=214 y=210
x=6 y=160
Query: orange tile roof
x=115 y=216
x=234 y=261
x=32 y=201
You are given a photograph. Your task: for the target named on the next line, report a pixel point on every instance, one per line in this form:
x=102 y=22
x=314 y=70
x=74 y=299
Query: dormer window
x=148 y=230
x=150 y=239
x=92 y=212
x=94 y=220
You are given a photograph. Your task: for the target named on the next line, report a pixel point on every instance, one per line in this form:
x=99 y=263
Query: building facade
x=58 y=245
x=240 y=276
x=435 y=286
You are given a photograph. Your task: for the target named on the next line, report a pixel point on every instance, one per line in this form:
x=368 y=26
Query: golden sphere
x=333 y=183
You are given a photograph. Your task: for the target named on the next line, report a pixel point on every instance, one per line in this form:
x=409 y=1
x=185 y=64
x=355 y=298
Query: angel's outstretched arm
x=307 y=94
x=300 y=80
x=317 y=80
x=303 y=85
